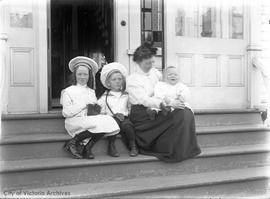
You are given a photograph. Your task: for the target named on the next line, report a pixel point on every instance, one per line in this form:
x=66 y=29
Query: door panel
x=207 y=43
x=21 y=68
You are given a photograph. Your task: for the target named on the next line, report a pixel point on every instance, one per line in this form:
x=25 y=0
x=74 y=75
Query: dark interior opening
x=78 y=28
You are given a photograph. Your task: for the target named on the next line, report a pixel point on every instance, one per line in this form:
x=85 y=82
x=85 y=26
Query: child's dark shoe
x=71 y=147
x=112 y=151
x=133 y=149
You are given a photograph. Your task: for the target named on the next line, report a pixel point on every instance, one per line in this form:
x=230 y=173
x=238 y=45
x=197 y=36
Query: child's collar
x=82 y=86
x=111 y=93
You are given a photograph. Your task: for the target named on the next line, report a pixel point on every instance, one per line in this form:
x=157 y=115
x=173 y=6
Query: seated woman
x=170 y=137
x=75 y=101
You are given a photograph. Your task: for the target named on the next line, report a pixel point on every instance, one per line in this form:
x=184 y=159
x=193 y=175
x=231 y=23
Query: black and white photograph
x=135 y=99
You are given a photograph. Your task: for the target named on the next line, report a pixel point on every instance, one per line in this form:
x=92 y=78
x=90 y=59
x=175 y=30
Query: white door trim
x=42 y=53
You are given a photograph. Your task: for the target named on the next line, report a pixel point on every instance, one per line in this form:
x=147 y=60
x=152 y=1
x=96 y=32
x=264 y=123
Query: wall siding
x=265 y=43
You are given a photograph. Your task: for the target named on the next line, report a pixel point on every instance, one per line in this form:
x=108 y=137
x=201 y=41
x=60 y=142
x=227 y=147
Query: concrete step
x=51 y=136
x=103 y=159
x=252 y=189
x=50 y=145
x=122 y=186
x=62 y=171
x=234 y=142
x=226 y=118
x=54 y=122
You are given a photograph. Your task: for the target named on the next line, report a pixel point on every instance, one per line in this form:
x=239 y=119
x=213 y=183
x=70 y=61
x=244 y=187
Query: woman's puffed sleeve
x=157 y=73
x=160 y=91
x=138 y=95
x=71 y=107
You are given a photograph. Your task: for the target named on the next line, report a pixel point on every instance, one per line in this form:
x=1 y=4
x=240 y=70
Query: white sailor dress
x=74 y=100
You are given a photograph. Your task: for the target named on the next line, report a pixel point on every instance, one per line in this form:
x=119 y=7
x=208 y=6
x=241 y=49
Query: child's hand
x=180 y=98
x=97 y=108
x=119 y=116
x=178 y=104
x=151 y=113
x=93 y=109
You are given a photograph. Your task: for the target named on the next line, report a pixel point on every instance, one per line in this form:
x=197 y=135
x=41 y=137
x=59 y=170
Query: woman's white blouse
x=117 y=101
x=140 y=87
x=164 y=90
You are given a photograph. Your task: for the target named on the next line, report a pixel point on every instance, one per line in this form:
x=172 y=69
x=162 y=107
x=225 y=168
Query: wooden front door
x=18 y=33
x=207 y=42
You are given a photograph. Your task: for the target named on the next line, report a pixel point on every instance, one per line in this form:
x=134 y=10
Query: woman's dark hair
x=145 y=51
x=73 y=81
x=100 y=89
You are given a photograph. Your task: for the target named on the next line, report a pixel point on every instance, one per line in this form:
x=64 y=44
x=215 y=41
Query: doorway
x=78 y=28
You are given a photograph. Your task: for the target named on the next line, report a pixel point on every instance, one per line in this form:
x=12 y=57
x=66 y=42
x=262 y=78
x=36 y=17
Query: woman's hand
x=165 y=109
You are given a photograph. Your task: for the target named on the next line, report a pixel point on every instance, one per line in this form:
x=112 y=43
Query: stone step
x=50 y=145
x=103 y=159
x=233 y=141
x=251 y=189
x=58 y=114
x=125 y=186
x=54 y=122
x=227 y=118
x=37 y=137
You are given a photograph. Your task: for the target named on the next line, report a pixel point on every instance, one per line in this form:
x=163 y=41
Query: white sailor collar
x=114 y=93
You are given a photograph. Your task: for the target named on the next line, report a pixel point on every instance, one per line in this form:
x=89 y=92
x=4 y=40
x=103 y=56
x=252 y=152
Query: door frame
x=42 y=53
x=49 y=47
x=49 y=60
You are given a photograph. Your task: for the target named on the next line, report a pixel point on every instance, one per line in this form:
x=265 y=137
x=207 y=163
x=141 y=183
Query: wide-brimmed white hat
x=83 y=61
x=109 y=68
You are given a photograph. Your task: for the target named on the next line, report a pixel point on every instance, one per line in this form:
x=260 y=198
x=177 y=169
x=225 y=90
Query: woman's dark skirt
x=170 y=138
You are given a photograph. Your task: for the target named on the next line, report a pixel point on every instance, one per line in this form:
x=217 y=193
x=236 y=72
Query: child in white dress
x=114 y=102
x=75 y=100
x=171 y=91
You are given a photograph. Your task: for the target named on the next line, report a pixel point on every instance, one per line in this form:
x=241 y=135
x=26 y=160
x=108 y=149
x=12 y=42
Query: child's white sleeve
x=101 y=102
x=184 y=92
x=71 y=107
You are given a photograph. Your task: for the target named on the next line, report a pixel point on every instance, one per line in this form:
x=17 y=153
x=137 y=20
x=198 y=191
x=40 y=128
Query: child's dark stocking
x=128 y=129
x=111 y=146
x=95 y=137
